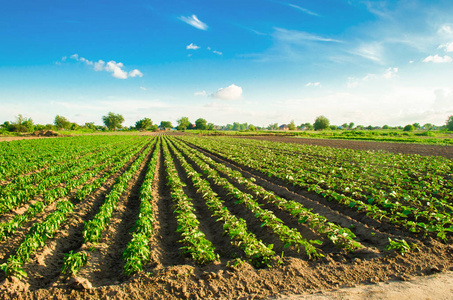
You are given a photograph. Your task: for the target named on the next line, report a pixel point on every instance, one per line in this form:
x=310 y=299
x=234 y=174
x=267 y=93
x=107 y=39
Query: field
x=169 y=216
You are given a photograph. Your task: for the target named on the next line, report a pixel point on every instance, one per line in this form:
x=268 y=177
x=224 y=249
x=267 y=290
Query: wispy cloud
x=201 y=93
x=232 y=92
x=313 y=84
x=438 y=59
x=194 y=21
x=295 y=36
x=116 y=68
x=388 y=74
x=299 y=8
x=192 y=46
x=372 y=51
x=448 y=47
x=217 y=52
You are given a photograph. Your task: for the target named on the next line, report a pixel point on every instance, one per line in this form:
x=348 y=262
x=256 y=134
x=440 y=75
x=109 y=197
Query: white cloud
x=115 y=68
x=143 y=88
x=372 y=51
x=448 y=47
x=194 y=21
x=232 y=92
x=192 y=46
x=304 y=10
x=112 y=66
x=295 y=36
x=84 y=60
x=390 y=73
x=217 y=52
x=64 y=58
x=202 y=93
x=314 y=84
x=446 y=28
x=135 y=73
x=99 y=66
x=438 y=59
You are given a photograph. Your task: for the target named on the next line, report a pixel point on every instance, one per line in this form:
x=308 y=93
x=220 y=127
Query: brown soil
x=171 y=275
x=425 y=150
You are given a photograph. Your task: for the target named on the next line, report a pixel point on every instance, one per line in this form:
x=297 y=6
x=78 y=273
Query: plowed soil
x=172 y=275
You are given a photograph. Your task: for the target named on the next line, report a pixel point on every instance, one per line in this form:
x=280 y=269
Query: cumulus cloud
x=313 y=84
x=438 y=59
x=232 y=92
x=192 y=46
x=135 y=73
x=116 y=69
x=112 y=66
x=99 y=66
x=194 y=21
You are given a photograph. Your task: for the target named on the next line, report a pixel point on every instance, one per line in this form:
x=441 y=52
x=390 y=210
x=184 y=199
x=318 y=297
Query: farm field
x=179 y=216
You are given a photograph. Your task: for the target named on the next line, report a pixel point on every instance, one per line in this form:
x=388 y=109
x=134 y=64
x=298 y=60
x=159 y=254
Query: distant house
x=283 y=127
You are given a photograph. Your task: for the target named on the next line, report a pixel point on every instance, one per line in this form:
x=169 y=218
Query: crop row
x=138 y=250
x=258 y=253
x=22 y=157
x=336 y=183
x=40 y=232
x=289 y=236
x=112 y=160
x=62 y=173
x=342 y=237
x=193 y=239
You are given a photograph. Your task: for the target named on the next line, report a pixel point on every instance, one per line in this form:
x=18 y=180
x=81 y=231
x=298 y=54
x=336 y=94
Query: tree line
x=114 y=122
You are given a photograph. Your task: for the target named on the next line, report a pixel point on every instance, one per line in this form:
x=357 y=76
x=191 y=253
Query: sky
x=260 y=62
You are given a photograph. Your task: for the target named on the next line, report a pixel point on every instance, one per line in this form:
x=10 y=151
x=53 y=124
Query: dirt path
x=438 y=286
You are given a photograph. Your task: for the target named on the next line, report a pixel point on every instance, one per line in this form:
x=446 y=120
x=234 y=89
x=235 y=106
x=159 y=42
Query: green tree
x=252 y=127
x=183 y=123
x=211 y=126
x=409 y=127
x=306 y=126
x=166 y=125
x=22 y=124
x=351 y=125
x=143 y=124
x=61 y=122
x=416 y=125
x=113 y=121
x=90 y=125
x=344 y=126
x=273 y=126
x=201 y=124
x=428 y=126
x=450 y=123
x=291 y=125
x=385 y=127
x=321 y=123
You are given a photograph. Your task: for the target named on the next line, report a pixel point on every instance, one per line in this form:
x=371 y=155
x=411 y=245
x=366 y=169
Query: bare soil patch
x=425 y=150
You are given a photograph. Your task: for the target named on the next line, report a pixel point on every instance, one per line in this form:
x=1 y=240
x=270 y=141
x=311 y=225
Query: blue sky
x=261 y=62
